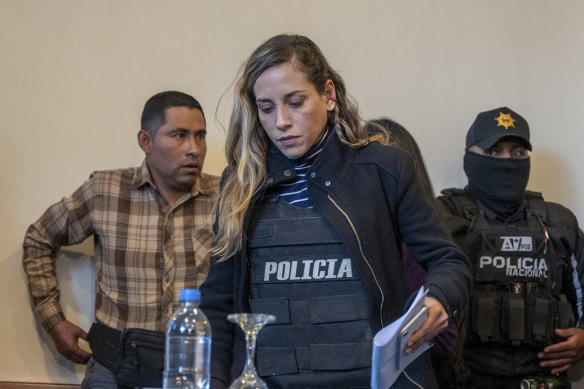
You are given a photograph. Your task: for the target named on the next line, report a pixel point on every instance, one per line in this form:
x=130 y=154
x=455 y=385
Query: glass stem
x=250 y=341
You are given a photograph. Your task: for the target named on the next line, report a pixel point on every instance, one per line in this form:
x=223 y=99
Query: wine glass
x=251 y=324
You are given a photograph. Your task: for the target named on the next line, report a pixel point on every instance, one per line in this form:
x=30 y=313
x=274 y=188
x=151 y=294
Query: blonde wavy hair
x=246 y=144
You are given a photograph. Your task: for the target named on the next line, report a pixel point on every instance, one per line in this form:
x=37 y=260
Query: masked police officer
x=524 y=319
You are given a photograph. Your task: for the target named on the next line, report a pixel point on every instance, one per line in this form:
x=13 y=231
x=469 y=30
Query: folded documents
x=389 y=358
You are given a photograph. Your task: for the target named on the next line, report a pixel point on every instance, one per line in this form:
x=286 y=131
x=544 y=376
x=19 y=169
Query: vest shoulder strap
x=461 y=203
x=536 y=205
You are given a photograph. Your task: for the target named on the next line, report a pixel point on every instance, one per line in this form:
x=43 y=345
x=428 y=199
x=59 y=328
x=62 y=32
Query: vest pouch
x=486 y=309
x=540 y=316
x=513 y=319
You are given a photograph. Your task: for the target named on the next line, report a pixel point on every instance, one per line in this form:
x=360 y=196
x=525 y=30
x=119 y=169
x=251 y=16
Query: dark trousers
x=98 y=376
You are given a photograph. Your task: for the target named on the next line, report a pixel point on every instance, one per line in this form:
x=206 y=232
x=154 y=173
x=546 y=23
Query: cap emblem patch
x=505 y=120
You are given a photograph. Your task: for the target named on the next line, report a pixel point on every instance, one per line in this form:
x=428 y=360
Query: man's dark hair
x=153 y=115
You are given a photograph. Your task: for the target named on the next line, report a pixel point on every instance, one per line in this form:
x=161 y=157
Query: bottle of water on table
x=188 y=345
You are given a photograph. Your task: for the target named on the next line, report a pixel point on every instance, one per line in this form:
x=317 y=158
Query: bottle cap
x=189 y=295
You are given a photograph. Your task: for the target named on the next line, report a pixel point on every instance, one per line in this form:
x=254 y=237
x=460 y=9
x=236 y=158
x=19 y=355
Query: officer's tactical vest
x=302 y=274
x=517 y=276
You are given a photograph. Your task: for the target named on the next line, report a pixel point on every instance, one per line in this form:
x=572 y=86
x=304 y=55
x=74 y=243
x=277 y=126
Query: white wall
x=74 y=76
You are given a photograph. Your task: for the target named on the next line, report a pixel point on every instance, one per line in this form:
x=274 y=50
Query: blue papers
x=389 y=358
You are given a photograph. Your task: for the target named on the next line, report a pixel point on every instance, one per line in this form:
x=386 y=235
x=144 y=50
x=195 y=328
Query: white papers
x=389 y=358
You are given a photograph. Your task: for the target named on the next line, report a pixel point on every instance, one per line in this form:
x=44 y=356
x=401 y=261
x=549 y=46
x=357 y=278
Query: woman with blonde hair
x=310 y=220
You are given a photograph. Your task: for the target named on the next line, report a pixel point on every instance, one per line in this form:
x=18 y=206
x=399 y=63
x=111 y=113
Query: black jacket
x=372 y=198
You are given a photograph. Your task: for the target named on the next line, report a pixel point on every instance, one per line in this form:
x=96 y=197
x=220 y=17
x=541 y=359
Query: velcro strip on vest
x=332 y=309
x=317 y=310
x=279 y=335
x=277 y=306
x=542 y=312
x=318 y=357
x=276 y=361
x=516 y=322
x=345 y=356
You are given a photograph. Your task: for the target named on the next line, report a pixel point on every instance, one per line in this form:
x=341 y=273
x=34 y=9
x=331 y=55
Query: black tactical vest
x=302 y=274
x=517 y=277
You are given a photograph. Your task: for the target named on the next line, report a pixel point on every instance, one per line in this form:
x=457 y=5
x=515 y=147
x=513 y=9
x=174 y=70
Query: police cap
x=490 y=126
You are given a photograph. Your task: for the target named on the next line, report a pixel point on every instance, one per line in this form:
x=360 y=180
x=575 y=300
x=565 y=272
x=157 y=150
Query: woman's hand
x=436 y=321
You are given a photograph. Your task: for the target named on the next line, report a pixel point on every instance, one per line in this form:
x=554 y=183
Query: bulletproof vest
x=517 y=277
x=302 y=274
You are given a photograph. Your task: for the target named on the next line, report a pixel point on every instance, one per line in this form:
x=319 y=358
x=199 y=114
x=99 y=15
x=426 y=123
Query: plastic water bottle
x=188 y=345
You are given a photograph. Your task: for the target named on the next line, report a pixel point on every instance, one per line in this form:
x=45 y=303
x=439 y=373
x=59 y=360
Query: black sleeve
x=217 y=303
x=449 y=277
x=568 y=241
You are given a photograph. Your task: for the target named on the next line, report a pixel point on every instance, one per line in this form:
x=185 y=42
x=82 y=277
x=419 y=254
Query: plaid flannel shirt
x=145 y=251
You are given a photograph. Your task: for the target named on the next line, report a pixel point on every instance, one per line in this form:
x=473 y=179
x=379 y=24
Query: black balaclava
x=497 y=183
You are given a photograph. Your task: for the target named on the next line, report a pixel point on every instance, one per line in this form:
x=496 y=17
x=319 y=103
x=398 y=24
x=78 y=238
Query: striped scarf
x=296 y=192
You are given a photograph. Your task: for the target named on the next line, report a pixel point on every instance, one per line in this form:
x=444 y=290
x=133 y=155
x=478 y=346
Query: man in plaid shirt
x=152 y=227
